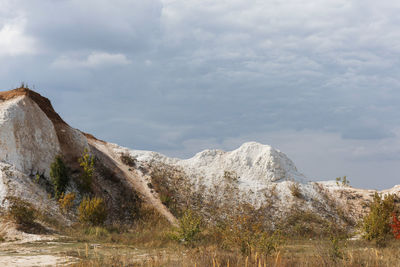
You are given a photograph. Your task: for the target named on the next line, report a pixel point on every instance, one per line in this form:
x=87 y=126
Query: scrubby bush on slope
x=376 y=225
x=189 y=228
x=66 y=201
x=92 y=211
x=87 y=163
x=22 y=212
x=59 y=176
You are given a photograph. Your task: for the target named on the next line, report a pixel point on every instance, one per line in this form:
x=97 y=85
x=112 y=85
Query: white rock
x=28 y=139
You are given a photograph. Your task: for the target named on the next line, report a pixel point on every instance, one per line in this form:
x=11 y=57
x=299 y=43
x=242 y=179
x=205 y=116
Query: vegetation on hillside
x=59 y=176
x=87 y=163
x=22 y=212
x=376 y=225
x=215 y=231
x=92 y=211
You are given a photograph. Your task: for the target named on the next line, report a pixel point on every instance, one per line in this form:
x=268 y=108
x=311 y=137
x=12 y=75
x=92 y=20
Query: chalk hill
x=32 y=134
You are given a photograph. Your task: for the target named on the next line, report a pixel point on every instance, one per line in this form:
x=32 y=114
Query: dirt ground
x=59 y=252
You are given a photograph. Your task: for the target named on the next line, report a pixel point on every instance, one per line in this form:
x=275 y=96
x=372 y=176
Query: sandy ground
x=35 y=260
x=37 y=253
x=64 y=253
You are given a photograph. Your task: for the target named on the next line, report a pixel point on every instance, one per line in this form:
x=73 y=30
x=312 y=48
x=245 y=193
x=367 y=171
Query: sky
x=318 y=79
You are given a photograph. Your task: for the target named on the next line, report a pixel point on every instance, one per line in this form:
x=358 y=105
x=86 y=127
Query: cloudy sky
x=317 y=79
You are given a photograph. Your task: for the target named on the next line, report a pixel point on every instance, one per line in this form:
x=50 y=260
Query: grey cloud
x=182 y=75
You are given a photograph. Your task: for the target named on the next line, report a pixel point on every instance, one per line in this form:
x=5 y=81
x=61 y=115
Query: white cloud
x=93 y=60
x=13 y=39
x=220 y=69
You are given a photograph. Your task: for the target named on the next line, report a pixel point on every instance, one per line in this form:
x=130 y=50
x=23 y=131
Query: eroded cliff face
x=28 y=139
x=32 y=134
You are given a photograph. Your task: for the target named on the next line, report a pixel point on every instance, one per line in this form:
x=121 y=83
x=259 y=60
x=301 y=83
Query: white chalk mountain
x=32 y=134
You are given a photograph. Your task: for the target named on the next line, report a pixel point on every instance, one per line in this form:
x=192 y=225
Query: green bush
x=22 y=212
x=87 y=163
x=337 y=247
x=376 y=225
x=189 y=228
x=92 y=211
x=59 y=176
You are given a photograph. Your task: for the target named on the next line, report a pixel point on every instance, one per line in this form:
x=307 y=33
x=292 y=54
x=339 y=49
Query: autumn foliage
x=395 y=226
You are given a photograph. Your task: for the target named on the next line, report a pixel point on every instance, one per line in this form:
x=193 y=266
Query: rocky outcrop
x=32 y=134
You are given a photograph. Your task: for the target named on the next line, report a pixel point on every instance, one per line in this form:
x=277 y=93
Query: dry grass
x=148 y=243
x=298 y=253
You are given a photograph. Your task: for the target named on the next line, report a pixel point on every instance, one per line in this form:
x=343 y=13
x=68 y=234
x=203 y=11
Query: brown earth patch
x=70 y=150
x=43 y=102
x=90 y=136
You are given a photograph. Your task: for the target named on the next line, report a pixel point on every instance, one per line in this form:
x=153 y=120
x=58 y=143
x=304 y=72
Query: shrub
x=295 y=190
x=66 y=201
x=376 y=225
x=128 y=160
x=300 y=223
x=92 y=211
x=395 y=226
x=337 y=246
x=247 y=234
x=173 y=187
x=59 y=176
x=22 y=212
x=87 y=163
x=342 y=181
x=189 y=228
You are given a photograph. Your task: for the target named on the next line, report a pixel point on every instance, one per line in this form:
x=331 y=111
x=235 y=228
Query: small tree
x=376 y=225
x=66 y=201
x=189 y=228
x=87 y=163
x=59 y=176
x=92 y=211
